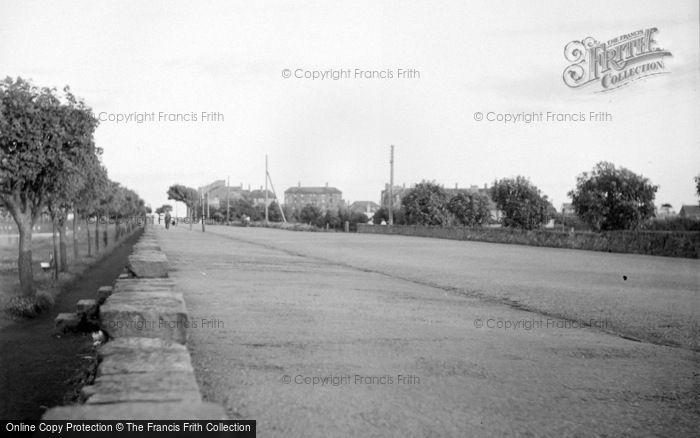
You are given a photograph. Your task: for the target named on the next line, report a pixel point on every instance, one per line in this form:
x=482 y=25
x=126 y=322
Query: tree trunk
x=105 y=239
x=89 y=242
x=117 y=229
x=97 y=234
x=56 y=260
x=191 y=218
x=75 y=237
x=24 y=261
x=63 y=248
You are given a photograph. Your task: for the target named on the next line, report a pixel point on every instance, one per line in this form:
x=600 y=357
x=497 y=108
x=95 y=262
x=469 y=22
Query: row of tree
x=606 y=198
x=50 y=165
x=519 y=202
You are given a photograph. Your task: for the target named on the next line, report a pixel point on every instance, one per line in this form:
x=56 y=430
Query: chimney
x=249 y=187
x=404 y=185
x=326 y=184
x=456 y=186
x=485 y=186
x=299 y=185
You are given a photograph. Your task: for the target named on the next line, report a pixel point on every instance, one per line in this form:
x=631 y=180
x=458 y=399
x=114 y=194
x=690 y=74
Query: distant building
x=366 y=207
x=217 y=193
x=690 y=212
x=398 y=193
x=325 y=198
x=257 y=197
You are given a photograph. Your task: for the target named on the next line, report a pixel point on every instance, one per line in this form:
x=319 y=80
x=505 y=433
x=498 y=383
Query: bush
x=22 y=306
x=673 y=224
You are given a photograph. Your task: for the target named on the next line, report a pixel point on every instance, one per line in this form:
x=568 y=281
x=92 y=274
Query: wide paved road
x=323 y=334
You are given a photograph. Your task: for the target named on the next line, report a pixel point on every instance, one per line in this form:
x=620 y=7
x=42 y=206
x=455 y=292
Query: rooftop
x=313 y=190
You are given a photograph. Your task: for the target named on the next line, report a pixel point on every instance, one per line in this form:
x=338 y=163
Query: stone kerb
x=147 y=263
x=144 y=370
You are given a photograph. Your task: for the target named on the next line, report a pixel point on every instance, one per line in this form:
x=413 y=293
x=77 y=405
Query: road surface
x=325 y=334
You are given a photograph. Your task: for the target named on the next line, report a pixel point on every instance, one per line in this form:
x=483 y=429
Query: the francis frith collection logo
x=616 y=62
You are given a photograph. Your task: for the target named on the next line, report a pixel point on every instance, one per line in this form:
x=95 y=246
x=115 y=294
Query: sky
x=185 y=58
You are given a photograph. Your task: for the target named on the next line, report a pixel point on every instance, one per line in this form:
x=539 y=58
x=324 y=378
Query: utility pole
x=391 y=187
x=268 y=178
x=228 y=191
x=201 y=202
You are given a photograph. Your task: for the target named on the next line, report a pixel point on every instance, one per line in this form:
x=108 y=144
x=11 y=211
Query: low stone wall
x=661 y=243
x=144 y=371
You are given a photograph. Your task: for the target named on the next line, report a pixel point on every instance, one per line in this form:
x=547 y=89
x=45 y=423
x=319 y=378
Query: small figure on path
x=167 y=220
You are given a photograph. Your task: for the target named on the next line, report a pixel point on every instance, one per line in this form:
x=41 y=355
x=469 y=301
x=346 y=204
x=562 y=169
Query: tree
x=88 y=198
x=310 y=214
x=470 y=209
x=610 y=198
x=187 y=196
x=383 y=215
x=165 y=208
x=273 y=212
x=697 y=185
x=426 y=204
x=521 y=202
x=39 y=133
x=242 y=207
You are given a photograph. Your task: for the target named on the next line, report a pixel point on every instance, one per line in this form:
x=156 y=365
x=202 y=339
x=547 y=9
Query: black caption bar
x=129 y=428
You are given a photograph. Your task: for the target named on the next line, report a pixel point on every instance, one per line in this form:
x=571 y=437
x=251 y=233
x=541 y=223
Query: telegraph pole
x=391 y=187
x=201 y=202
x=267 y=176
x=228 y=191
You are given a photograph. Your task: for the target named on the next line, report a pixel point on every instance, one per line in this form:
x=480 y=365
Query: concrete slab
x=155 y=386
x=86 y=308
x=145 y=314
x=148 y=264
x=103 y=293
x=143 y=361
x=66 y=322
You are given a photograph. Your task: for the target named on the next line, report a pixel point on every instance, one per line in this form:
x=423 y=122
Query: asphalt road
x=324 y=334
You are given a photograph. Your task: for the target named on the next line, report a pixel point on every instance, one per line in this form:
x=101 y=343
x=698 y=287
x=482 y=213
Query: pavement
x=332 y=334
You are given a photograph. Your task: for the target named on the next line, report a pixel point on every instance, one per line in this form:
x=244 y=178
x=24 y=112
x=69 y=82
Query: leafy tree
x=38 y=135
x=610 y=198
x=242 y=207
x=310 y=214
x=383 y=215
x=165 y=208
x=521 y=202
x=187 y=196
x=426 y=204
x=358 y=217
x=470 y=209
x=332 y=219
x=273 y=212
x=697 y=185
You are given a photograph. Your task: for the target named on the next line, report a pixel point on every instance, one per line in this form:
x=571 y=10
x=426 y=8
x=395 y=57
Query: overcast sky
x=488 y=56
